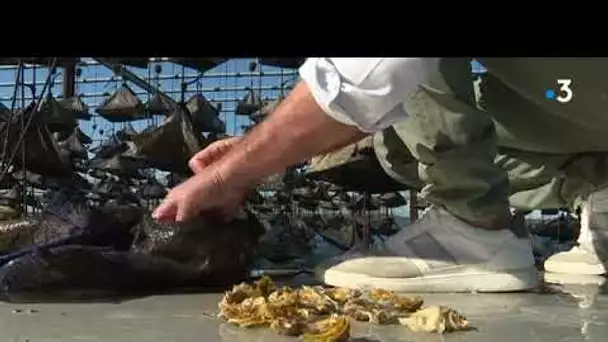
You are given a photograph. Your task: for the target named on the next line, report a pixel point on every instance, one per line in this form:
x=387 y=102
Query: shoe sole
x=574 y=268
x=472 y=281
x=573 y=279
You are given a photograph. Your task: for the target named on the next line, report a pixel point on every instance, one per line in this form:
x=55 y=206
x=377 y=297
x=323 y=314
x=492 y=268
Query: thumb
x=207 y=155
x=211 y=153
x=200 y=160
x=196 y=165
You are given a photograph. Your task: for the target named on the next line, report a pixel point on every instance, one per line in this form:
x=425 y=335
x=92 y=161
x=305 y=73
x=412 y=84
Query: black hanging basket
x=122 y=106
x=355 y=168
x=251 y=103
x=160 y=105
x=57 y=117
x=74 y=145
x=75 y=105
x=43 y=154
x=169 y=146
x=205 y=116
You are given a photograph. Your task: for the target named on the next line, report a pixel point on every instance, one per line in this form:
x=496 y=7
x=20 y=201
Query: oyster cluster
x=323 y=314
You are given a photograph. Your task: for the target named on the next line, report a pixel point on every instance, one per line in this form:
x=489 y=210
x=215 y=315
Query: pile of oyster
x=323 y=314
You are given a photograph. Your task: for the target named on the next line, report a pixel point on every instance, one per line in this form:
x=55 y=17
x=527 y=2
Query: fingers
x=203 y=191
x=166 y=211
x=183 y=201
x=195 y=165
x=174 y=210
x=179 y=208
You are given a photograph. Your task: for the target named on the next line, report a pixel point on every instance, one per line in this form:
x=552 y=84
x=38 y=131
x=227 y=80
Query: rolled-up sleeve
x=365 y=92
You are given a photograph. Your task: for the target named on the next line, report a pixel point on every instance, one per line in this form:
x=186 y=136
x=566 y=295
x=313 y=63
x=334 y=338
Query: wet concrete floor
x=574 y=311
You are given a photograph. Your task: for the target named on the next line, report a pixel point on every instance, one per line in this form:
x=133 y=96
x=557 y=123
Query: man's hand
x=206 y=190
x=212 y=153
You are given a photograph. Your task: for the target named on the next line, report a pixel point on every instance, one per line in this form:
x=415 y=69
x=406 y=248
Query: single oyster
x=238 y=294
x=342 y=294
x=282 y=304
x=333 y=329
x=262 y=288
x=250 y=312
x=365 y=311
x=435 y=319
x=265 y=286
x=249 y=306
x=315 y=298
x=409 y=304
x=288 y=326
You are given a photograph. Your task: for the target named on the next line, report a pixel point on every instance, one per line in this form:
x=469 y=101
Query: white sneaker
x=577 y=260
x=584 y=258
x=438 y=253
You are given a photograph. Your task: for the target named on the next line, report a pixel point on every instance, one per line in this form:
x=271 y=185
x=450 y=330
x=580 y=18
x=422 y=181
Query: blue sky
x=221 y=84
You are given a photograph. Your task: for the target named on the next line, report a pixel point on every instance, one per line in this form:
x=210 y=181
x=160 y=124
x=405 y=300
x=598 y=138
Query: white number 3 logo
x=565 y=93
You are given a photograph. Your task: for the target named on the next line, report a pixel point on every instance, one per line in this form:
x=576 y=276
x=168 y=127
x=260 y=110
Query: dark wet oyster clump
x=75 y=251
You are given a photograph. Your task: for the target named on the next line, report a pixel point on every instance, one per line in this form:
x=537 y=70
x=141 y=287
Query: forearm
x=337 y=100
x=297 y=130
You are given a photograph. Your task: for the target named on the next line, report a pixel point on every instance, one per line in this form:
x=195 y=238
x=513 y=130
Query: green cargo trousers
x=512 y=145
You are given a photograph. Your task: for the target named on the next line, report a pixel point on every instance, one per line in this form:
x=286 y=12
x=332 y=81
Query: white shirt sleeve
x=366 y=92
